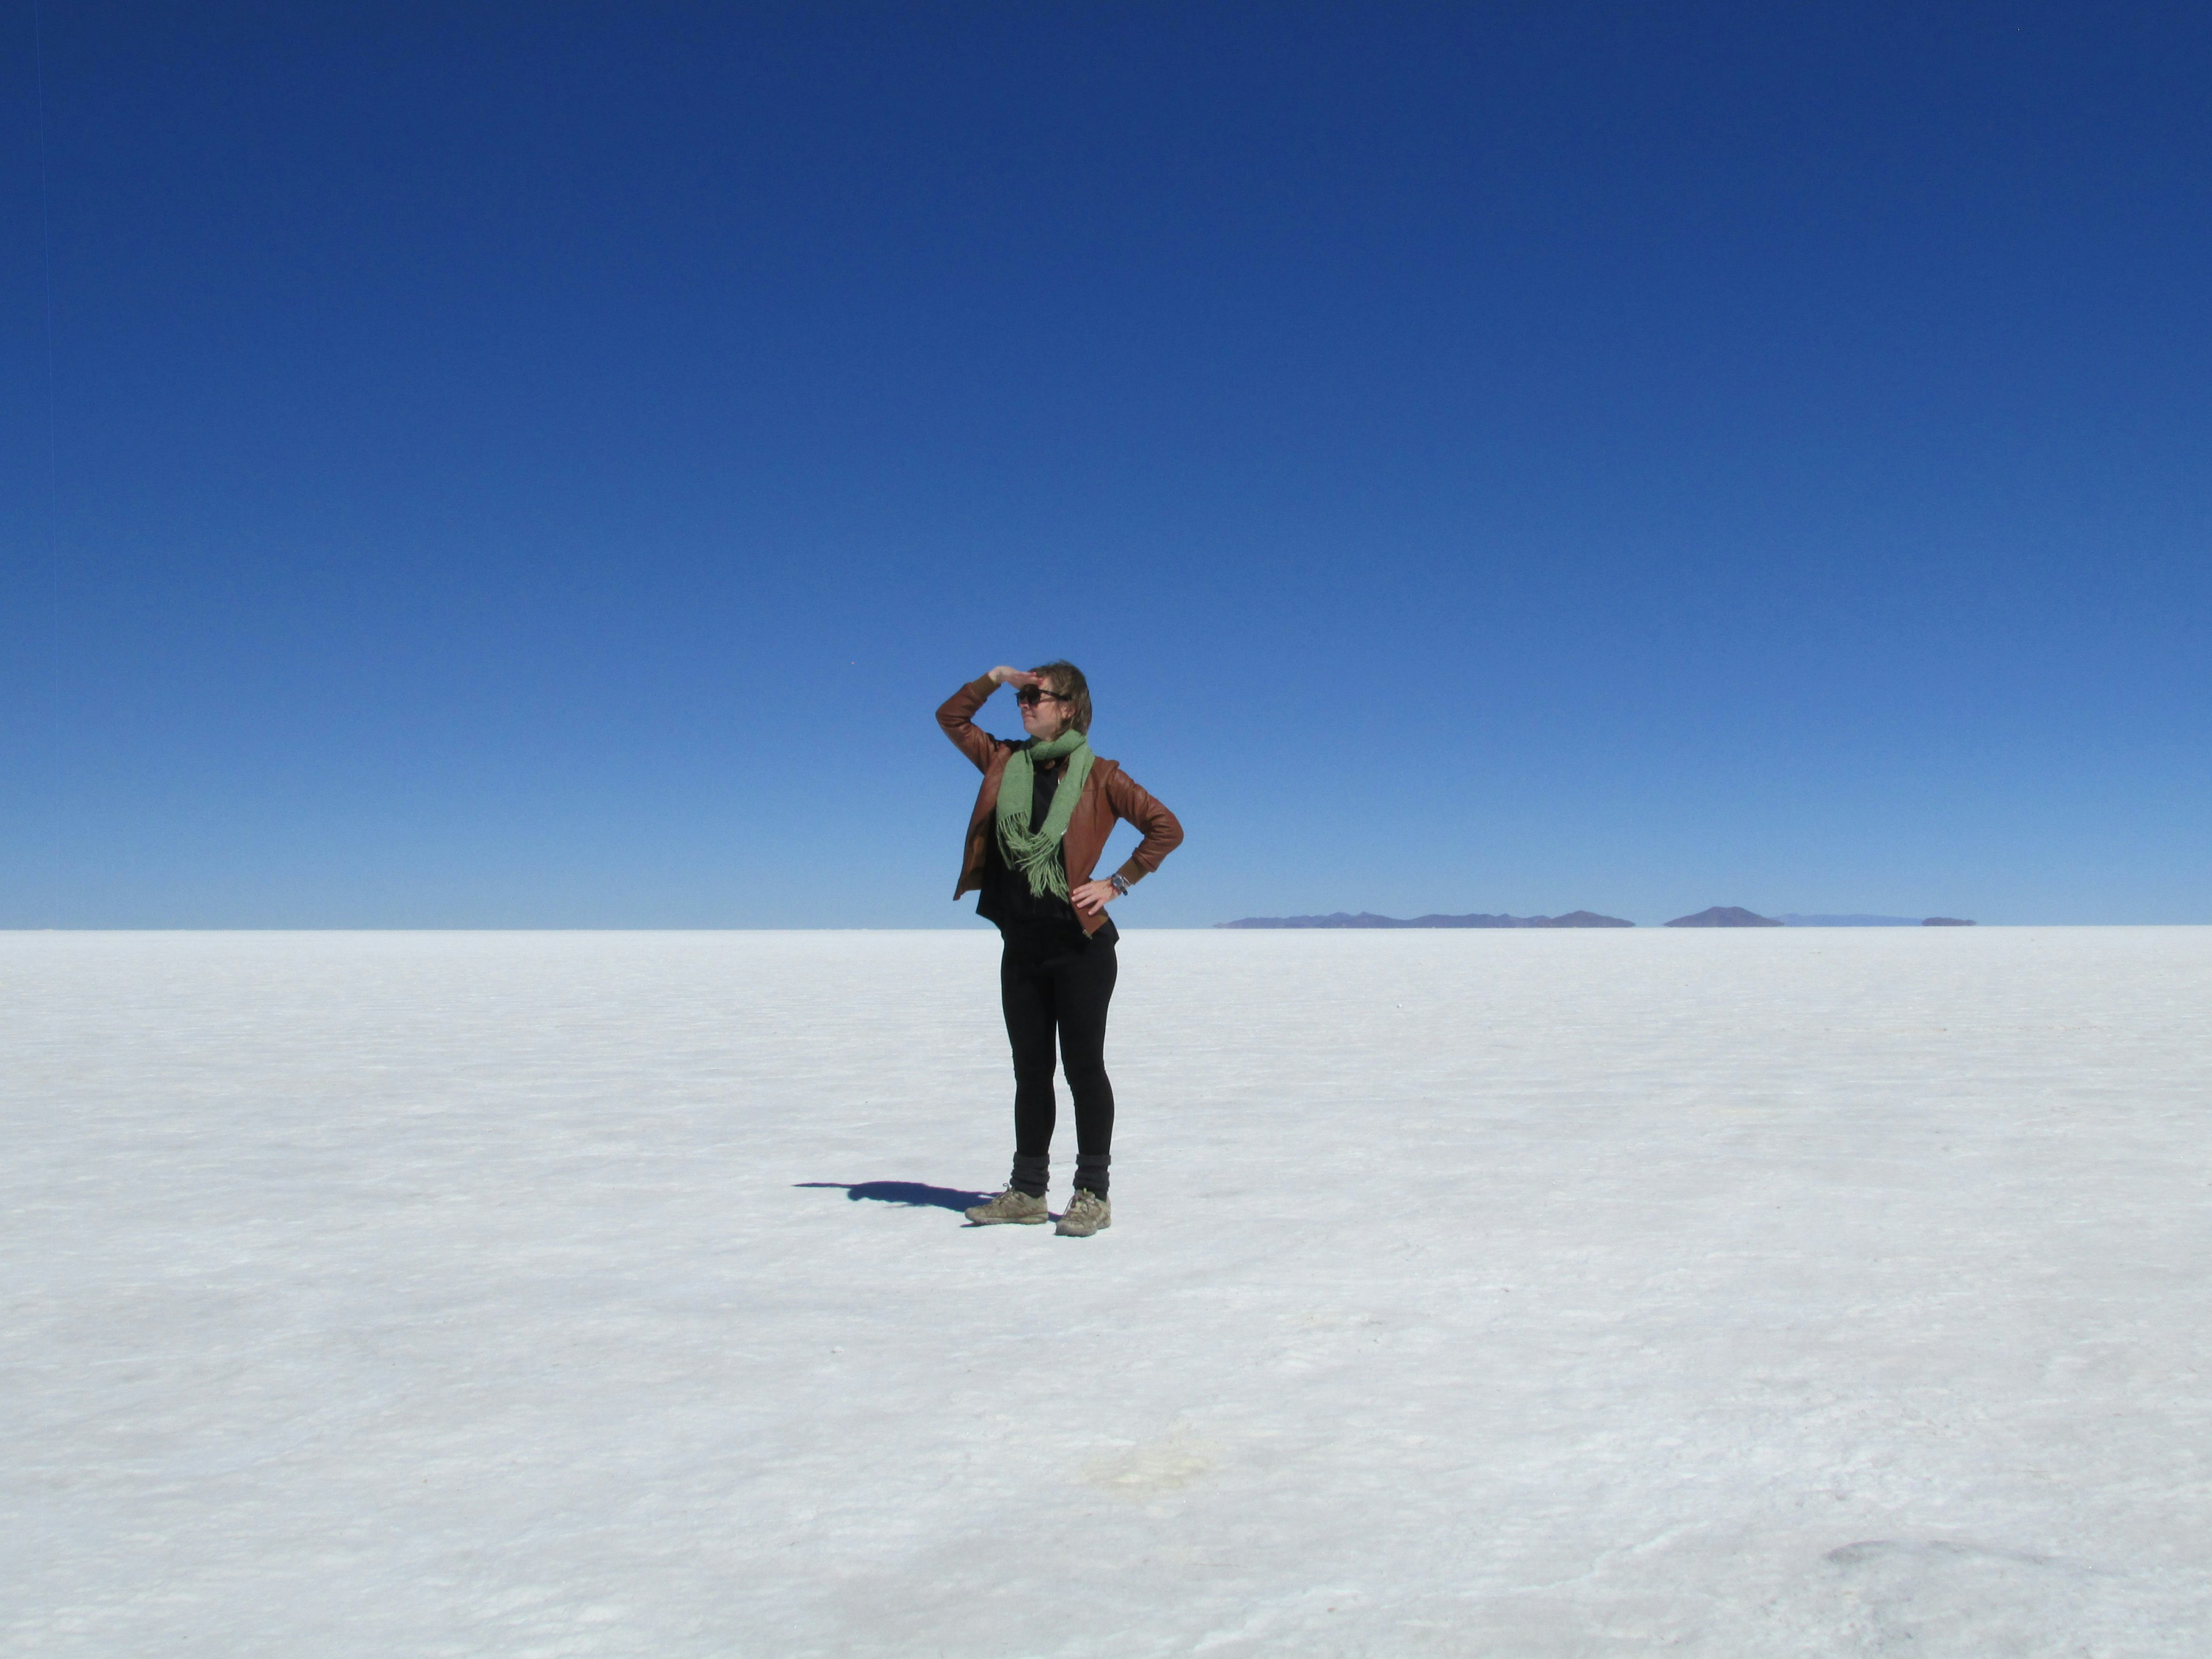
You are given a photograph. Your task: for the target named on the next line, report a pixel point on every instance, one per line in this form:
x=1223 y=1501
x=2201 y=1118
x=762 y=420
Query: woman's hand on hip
x=1093 y=897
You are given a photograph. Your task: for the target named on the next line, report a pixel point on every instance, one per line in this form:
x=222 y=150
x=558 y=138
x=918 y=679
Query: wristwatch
x=1120 y=884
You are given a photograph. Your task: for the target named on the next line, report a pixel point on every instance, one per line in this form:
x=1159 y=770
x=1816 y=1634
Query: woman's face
x=1045 y=714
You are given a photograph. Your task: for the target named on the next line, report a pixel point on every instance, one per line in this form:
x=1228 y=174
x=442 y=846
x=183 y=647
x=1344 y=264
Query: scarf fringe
x=1036 y=853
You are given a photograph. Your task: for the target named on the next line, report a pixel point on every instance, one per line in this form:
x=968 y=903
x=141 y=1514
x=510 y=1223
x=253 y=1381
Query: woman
x=1040 y=824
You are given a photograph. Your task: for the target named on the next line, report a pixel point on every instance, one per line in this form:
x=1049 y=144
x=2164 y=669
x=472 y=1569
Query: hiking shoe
x=1011 y=1204
x=1086 y=1213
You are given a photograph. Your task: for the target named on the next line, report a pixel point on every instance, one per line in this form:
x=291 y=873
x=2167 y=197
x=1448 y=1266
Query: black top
x=1024 y=917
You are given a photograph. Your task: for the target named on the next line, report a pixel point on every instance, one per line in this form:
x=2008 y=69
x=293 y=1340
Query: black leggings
x=1066 y=987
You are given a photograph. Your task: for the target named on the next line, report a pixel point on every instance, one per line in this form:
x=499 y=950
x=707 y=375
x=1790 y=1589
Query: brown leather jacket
x=1107 y=794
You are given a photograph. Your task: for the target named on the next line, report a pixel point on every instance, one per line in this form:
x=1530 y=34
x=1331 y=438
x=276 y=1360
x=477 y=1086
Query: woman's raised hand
x=1014 y=676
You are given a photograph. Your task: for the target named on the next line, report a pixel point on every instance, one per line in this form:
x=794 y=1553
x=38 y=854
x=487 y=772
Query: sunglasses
x=1029 y=696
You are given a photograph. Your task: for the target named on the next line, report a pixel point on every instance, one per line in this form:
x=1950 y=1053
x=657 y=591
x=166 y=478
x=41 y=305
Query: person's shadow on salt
x=909 y=1194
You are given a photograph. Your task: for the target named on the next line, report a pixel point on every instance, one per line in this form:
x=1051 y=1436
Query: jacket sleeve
x=957 y=719
x=1163 y=833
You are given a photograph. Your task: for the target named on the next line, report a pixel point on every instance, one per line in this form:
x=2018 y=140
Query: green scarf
x=1036 y=856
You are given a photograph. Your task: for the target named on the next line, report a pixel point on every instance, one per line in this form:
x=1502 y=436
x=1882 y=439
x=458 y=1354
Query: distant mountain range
x=1721 y=915
x=1572 y=918
x=1790 y=919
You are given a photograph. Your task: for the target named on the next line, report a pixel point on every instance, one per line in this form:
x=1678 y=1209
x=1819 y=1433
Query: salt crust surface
x=1775 y=1292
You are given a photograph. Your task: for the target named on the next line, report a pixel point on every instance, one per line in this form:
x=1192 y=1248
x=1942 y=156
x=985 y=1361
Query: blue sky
x=543 y=465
